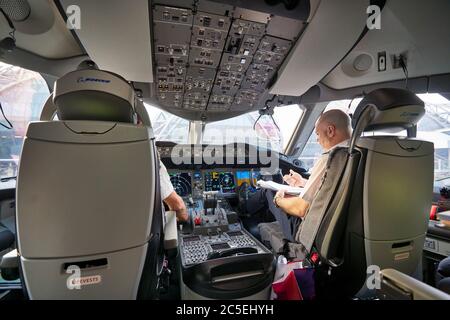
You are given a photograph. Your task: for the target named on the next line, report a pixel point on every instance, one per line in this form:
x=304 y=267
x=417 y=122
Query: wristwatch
x=275 y=201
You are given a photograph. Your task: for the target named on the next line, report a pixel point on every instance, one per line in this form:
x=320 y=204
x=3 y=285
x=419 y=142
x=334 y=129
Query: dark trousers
x=263 y=200
x=443 y=275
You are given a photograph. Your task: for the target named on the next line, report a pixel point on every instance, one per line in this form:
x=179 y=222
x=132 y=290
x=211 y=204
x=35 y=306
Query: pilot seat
x=89 y=213
x=371 y=209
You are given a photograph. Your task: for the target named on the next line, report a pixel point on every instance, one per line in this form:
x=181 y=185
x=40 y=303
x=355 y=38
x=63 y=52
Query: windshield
x=22 y=96
x=264 y=132
x=168 y=127
x=240 y=129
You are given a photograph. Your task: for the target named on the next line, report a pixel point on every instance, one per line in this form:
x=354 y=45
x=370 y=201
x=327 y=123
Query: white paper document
x=294 y=191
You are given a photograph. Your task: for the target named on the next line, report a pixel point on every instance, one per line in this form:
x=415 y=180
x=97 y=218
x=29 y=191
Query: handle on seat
x=170 y=231
x=87 y=264
x=9 y=266
x=49 y=110
x=363 y=121
x=231 y=252
x=10 y=260
x=236 y=276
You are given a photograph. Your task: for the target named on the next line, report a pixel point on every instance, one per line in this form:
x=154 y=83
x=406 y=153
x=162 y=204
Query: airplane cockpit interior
x=224 y=150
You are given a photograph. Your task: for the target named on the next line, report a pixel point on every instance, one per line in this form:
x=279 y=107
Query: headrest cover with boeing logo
x=92 y=94
x=394 y=110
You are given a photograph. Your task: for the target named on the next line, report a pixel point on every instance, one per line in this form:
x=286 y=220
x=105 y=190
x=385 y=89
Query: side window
x=433 y=127
x=168 y=127
x=312 y=150
x=22 y=96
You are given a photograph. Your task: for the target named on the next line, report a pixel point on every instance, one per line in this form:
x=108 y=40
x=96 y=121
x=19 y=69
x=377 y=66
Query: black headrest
x=394 y=110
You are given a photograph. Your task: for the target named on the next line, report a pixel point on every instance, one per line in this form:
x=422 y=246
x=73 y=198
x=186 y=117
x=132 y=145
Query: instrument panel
x=220 y=181
x=225 y=181
x=182 y=183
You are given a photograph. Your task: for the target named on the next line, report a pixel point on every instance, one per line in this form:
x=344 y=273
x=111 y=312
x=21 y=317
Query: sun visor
x=116 y=34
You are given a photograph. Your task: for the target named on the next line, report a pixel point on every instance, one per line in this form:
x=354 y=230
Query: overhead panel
x=209 y=33
x=268 y=58
x=172 y=34
x=215 y=62
x=242 y=43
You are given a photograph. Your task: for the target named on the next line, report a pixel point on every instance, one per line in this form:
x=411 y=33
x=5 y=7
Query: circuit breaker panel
x=207 y=61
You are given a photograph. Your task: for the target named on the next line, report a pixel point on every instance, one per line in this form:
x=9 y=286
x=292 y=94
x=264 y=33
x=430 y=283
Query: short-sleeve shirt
x=165 y=184
x=317 y=172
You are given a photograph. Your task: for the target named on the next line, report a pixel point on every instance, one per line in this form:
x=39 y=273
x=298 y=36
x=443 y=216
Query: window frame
x=353 y=104
x=35 y=90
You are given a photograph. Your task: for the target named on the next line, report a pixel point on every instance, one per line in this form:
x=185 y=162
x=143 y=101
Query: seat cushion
x=10 y=224
x=272 y=236
x=6 y=238
x=444 y=285
x=444 y=268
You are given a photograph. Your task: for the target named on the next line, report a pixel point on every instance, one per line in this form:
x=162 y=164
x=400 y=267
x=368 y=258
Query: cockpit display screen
x=220 y=181
x=249 y=177
x=181 y=182
x=245 y=176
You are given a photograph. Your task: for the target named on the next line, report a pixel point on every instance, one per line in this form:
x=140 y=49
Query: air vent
x=212 y=62
x=18 y=10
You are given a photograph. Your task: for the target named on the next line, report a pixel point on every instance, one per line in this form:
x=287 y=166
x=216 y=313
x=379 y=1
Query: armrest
x=393 y=281
x=10 y=260
x=170 y=231
x=9 y=266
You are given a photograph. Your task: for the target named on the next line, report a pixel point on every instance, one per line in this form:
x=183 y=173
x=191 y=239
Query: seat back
x=388 y=210
x=376 y=215
x=88 y=205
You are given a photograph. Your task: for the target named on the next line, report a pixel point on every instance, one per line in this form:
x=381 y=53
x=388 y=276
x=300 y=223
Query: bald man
x=333 y=130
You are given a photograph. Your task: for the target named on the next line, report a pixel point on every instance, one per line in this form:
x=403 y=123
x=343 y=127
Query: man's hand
x=182 y=215
x=291 y=205
x=294 y=179
x=280 y=194
x=176 y=203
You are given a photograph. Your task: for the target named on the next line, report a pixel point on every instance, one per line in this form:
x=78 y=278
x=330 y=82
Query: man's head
x=332 y=128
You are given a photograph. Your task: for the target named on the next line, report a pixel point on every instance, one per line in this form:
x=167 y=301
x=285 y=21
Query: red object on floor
x=433 y=212
x=288 y=288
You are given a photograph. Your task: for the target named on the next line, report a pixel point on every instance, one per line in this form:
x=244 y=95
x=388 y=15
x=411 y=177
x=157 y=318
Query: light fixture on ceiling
x=18 y=10
x=8 y=43
x=29 y=17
